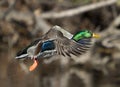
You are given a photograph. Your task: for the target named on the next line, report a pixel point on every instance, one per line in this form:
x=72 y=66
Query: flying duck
x=58 y=41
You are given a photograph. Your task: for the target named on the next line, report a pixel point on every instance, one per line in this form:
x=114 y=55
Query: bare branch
x=10 y=8
x=78 y=10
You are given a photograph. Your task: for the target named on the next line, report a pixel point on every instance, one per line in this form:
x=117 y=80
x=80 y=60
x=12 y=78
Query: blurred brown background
x=22 y=21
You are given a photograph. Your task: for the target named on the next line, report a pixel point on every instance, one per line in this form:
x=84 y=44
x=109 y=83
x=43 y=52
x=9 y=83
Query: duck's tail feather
x=21 y=56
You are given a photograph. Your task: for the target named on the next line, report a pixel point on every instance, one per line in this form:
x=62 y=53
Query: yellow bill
x=96 y=35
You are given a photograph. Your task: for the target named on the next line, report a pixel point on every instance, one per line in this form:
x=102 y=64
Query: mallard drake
x=58 y=41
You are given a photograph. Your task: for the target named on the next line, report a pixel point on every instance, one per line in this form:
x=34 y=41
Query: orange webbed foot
x=34 y=65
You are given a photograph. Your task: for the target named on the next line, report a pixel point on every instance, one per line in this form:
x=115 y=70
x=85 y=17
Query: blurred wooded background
x=22 y=21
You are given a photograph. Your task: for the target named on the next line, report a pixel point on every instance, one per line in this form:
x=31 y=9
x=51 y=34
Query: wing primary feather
x=73 y=52
x=58 y=50
x=76 y=51
x=67 y=53
x=82 y=51
x=83 y=47
x=62 y=50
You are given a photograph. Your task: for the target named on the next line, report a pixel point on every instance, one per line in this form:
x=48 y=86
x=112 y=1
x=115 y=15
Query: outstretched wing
x=65 y=46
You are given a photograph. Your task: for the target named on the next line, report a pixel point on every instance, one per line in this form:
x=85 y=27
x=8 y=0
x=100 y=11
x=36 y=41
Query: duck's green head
x=84 y=34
